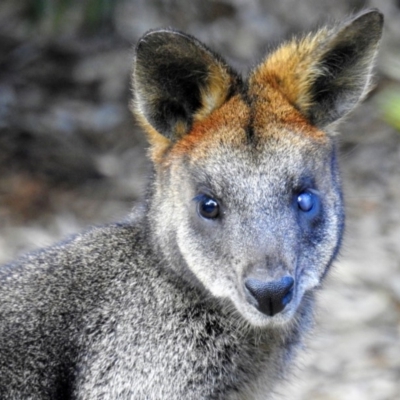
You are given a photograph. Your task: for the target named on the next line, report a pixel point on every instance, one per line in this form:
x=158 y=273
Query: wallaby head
x=246 y=198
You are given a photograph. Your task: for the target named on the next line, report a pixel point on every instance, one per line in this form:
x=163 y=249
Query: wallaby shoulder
x=51 y=297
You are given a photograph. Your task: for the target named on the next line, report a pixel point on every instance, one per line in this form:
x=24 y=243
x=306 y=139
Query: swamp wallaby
x=209 y=293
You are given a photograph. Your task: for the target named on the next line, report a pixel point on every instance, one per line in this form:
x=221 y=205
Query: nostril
x=288 y=297
x=271 y=296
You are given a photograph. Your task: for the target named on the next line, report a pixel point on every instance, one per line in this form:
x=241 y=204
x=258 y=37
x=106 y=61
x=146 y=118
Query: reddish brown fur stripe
x=228 y=122
x=272 y=111
x=272 y=115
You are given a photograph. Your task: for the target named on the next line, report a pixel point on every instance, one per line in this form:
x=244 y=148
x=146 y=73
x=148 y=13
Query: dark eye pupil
x=208 y=208
x=305 y=201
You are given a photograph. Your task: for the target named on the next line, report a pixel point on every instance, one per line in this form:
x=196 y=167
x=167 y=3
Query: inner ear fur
x=177 y=81
x=324 y=75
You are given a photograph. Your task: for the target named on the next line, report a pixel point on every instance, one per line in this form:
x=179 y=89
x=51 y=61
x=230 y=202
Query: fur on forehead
x=244 y=120
x=237 y=126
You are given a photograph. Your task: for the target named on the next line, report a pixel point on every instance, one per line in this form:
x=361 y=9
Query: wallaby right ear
x=325 y=74
x=176 y=81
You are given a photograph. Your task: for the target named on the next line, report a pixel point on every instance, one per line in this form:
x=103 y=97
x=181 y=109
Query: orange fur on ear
x=158 y=143
x=292 y=69
x=325 y=74
x=215 y=91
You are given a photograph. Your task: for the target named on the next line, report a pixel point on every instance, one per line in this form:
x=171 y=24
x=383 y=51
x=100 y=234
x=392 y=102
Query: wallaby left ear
x=177 y=81
x=326 y=74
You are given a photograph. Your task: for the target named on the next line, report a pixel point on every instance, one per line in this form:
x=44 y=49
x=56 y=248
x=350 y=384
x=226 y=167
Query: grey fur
x=154 y=307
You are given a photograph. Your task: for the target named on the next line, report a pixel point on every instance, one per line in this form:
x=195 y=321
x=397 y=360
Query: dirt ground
x=71 y=156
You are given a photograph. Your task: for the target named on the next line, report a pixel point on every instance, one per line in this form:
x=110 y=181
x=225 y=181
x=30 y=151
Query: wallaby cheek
x=320 y=246
x=204 y=248
x=205 y=260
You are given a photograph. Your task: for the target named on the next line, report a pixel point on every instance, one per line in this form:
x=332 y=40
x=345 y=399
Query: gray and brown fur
x=156 y=307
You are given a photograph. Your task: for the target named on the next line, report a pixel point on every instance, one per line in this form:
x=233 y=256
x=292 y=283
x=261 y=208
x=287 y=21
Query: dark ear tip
x=368 y=23
x=149 y=36
x=375 y=15
x=371 y=16
x=159 y=36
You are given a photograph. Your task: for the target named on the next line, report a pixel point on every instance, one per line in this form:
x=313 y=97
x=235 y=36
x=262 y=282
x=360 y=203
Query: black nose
x=271 y=297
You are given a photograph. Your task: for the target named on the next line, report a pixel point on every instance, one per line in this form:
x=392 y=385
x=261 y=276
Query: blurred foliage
x=390 y=105
x=94 y=15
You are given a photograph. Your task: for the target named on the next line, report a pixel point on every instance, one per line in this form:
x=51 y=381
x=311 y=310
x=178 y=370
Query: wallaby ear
x=177 y=81
x=324 y=75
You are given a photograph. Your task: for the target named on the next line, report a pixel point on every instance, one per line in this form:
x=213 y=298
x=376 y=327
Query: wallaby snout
x=271 y=297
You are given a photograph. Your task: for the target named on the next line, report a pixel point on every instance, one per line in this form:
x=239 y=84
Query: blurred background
x=71 y=155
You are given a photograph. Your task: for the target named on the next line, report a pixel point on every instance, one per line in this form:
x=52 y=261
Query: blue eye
x=306 y=201
x=207 y=207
